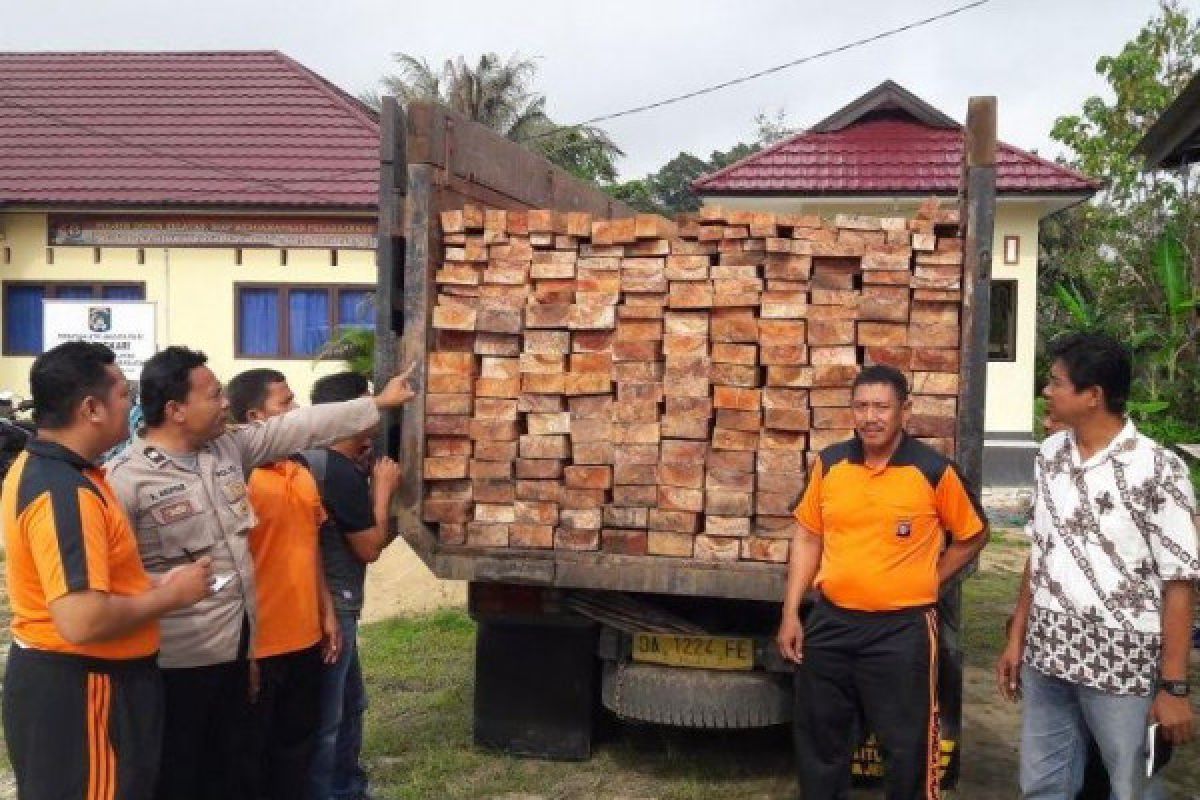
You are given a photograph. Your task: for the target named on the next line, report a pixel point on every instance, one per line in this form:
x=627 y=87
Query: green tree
x=1144 y=78
x=637 y=194
x=500 y=95
x=669 y=190
x=1126 y=262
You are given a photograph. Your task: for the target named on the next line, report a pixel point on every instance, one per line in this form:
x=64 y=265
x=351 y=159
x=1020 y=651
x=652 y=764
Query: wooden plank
x=978 y=210
x=441 y=138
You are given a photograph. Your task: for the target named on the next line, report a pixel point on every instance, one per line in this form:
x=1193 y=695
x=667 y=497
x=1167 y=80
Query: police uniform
x=871 y=639
x=184 y=506
x=80 y=720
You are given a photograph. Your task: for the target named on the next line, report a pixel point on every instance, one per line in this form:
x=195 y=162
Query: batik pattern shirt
x=1106 y=534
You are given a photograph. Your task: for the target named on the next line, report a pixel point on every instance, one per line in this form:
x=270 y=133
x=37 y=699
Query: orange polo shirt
x=284 y=546
x=65 y=532
x=884 y=530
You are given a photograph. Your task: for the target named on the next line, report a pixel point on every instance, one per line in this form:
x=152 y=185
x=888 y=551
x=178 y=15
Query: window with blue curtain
x=308 y=321
x=123 y=292
x=258 y=322
x=281 y=321
x=23 y=319
x=23 y=308
x=356 y=308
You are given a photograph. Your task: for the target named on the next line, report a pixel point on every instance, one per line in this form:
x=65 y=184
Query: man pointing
x=183 y=484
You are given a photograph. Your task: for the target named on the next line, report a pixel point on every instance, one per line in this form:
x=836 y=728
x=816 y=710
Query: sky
x=1036 y=56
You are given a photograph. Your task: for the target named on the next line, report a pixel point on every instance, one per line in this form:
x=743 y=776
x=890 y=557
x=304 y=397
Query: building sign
x=124 y=325
x=89 y=230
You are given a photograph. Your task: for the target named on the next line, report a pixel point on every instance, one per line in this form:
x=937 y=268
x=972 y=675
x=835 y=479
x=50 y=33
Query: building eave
x=1174 y=139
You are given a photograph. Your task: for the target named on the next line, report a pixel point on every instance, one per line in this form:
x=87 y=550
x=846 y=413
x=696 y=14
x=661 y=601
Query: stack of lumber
x=648 y=387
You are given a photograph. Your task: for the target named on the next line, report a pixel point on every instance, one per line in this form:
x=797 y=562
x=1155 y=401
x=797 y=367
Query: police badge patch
x=904 y=528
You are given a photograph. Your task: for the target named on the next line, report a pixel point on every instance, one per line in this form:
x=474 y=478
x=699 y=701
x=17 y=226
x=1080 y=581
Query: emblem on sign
x=904 y=528
x=100 y=319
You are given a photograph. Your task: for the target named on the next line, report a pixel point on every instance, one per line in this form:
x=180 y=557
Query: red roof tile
x=884 y=152
x=205 y=129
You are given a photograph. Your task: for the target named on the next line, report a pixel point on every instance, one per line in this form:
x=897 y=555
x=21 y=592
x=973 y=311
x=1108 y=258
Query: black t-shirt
x=346 y=494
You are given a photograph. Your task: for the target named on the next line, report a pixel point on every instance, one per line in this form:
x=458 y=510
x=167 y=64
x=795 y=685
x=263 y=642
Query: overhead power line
x=282 y=185
x=716 y=87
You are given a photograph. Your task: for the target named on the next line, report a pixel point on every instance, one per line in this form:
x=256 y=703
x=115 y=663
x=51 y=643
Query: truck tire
x=696 y=698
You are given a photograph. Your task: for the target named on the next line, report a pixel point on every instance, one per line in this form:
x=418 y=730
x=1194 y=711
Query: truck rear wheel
x=696 y=698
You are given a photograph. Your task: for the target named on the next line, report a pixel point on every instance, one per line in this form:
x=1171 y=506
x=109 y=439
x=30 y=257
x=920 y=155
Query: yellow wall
x=1010 y=385
x=193 y=288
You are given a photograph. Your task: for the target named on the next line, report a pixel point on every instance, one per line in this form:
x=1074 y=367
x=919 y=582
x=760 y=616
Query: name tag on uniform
x=173 y=512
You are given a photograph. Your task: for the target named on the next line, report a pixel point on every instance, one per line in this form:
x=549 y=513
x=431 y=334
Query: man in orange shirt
x=872 y=540
x=297 y=629
x=83 y=706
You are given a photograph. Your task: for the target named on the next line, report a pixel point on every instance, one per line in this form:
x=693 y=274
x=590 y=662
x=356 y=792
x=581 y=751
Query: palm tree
x=499 y=94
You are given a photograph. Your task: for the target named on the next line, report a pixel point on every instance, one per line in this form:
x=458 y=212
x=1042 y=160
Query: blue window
x=23 y=308
x=123 y=293
x=276 y=321
x=356 y=308
x=258 y=322
x=308 y=321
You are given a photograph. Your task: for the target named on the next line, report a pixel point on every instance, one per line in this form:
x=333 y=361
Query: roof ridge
x=887 y=95
x=360 y=109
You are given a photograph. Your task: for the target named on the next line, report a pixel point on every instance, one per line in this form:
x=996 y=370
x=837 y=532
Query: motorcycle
x=16 y=428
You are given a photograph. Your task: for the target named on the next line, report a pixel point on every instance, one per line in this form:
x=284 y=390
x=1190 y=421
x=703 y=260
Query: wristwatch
x=1175 y=688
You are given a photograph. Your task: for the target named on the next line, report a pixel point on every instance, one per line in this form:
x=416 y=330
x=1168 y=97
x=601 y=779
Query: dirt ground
x=400 y=583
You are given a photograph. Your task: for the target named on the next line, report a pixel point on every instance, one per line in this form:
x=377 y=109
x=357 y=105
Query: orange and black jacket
x=883 y=530
x=66 y=532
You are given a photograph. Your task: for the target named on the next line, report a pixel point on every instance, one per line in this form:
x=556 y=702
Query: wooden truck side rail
x=433 y=160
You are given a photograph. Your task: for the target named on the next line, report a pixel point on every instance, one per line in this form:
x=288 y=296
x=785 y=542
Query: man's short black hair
x=882 y=374
x=248 y=390
x=63 y=376
x=166 y=377
x=339 y=387
x=1096 y=359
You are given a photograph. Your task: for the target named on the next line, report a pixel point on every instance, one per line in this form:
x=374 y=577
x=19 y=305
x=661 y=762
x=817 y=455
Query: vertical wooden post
x=389 y=253
x=421 y=245
x=978 y=215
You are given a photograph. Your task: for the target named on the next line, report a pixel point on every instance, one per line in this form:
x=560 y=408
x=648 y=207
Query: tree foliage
x=500 y=95
x=1126 y=262
x=669 y=190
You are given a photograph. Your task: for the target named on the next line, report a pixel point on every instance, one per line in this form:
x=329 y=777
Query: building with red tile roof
x=236 y=191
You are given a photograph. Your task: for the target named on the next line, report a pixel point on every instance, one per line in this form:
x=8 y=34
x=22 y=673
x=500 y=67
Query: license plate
x=702 y=652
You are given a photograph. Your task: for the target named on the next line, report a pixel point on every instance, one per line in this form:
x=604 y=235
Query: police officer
x=183 y=484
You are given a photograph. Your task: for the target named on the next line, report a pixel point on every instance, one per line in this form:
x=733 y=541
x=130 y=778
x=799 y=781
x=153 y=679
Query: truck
x=564 y=635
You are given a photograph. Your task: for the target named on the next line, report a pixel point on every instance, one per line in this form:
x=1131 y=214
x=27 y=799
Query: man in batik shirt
x=1099 y=643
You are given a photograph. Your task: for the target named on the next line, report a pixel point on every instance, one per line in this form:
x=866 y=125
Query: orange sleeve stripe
x=67 y=533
